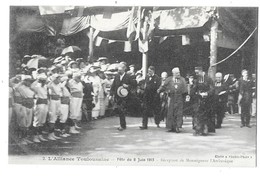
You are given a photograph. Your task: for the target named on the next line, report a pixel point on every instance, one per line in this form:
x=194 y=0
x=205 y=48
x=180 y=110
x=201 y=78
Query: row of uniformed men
x=57 y=96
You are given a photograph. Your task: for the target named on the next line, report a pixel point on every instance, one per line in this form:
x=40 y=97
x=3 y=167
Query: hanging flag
x=108 y=11
x=206 y=37
x=185 y=40
x=139 y=18
x=98 y=41
x=95 y=34
x=127 y=46
x=143 y=46
x=162 y=39
x=131 y=26
x=111 y=41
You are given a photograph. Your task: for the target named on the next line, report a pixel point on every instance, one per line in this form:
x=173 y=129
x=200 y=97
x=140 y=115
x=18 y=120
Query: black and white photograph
x=133 y=85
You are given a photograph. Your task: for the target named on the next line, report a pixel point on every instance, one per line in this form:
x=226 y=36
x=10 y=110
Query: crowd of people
x=48 y=104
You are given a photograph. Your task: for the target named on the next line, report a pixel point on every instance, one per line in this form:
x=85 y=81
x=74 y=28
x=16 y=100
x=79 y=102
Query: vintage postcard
x=133 y=85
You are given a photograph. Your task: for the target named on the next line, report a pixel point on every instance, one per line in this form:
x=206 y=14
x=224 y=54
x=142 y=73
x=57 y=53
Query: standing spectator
x=253 y=113
x=151 y=98
x=102 y=95
x=176 y=87
x=87 y=104
x=107 y=86
x=220 y=96
x=163 y=98
x=134 y=105
x=131 y=71
x=245 y=92
x=232 y=94
x=97 y=91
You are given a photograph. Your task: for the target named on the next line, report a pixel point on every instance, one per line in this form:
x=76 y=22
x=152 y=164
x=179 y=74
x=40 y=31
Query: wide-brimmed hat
x=27 y=78
x=42 y=76
x=55 y=76
x=64 y=78
x=72 y=62
x=122 y=92
x=102 y=58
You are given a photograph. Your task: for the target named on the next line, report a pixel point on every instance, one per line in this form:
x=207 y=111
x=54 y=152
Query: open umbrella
x=37 y=61
x=70 y=49
x=113 y=67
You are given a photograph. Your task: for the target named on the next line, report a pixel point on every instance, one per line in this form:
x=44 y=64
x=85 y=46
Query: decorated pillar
x=144 y=63
x=91 y=43
x=213 y=48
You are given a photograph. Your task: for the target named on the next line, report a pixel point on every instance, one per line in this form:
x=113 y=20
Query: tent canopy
x=112 y=22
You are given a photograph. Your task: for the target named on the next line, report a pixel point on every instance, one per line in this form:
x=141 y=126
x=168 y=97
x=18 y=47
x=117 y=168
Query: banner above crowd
x=132 y=23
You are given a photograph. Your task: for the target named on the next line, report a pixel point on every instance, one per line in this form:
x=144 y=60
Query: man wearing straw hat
x=120 y=91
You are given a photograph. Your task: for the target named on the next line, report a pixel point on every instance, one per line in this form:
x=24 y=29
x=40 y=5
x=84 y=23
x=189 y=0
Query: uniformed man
x=151 y=98
x=76 y=90
x=55 y=93
x=40 y=89
x=26 y=110
x=177 y=89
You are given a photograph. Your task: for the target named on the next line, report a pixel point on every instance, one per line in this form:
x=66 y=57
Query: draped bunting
x=116 y=22
x=73 y=25
x=121 y=26
x=182 y=17
x=33 y=23
x=48 y=10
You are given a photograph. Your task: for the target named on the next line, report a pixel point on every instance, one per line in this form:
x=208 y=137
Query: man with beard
x=151 y=98
x=202 y=93
x=120 y=91
x=220 y=97
x=177 y=89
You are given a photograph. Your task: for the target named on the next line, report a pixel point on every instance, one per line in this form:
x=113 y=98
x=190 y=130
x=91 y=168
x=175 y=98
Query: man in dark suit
x=151 y=98
x=124 y=80
x=220 y=99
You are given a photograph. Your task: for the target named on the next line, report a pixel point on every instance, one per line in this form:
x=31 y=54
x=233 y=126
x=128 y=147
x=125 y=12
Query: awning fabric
x=182 y=17
x=113 y=25
x=73 y=25
x=232 y=30
x=117 y=21
x=33 y=23
x=48 y=10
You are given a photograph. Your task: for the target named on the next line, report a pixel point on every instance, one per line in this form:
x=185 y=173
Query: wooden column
x=91 y=43
x=144 y=63
x=243 y=59
x=213 y=48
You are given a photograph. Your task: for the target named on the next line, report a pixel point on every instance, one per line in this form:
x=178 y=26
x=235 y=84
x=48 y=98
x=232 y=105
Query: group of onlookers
x=51 y=103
